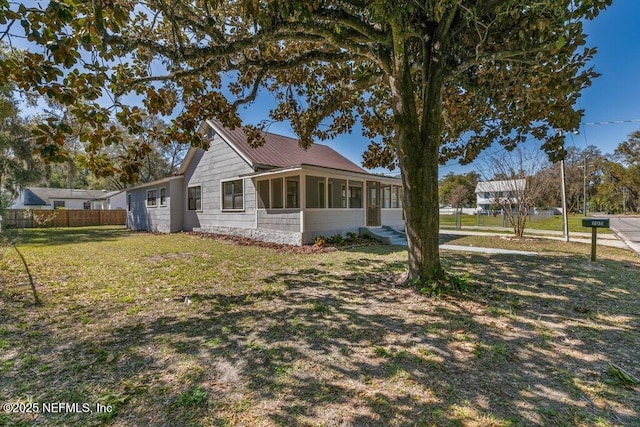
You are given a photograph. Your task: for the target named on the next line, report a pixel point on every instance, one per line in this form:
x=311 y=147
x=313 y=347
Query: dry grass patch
x=180 y=330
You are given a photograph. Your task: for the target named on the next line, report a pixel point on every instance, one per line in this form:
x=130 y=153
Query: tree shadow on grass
x=528 y=345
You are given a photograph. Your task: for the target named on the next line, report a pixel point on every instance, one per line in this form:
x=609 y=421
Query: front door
x=373 y=204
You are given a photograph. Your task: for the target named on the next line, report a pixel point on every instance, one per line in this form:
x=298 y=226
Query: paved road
x=628 y=229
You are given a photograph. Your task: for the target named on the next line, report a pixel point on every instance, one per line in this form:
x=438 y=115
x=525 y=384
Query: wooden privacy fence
x=22 y=218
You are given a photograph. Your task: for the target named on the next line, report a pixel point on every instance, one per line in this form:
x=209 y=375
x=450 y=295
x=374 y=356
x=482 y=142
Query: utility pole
x=584 y=189
x=565 y=217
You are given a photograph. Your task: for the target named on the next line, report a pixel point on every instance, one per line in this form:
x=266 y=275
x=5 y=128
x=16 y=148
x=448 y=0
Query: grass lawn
x=549 y=223
x=183 y=330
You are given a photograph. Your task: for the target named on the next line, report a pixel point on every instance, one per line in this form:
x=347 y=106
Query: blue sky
x=615 y=95
x=612 y=97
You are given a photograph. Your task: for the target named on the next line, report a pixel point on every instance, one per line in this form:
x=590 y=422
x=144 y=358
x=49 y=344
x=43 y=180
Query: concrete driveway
x=628 y=229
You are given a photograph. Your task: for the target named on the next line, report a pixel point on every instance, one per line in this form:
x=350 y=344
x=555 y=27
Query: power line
x=454 y=163
x=613 y=122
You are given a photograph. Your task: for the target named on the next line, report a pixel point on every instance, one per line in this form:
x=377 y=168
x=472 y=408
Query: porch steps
x=387 y=235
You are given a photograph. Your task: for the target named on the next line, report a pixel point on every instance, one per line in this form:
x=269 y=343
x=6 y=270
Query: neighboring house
x=110 y=200
x=488 y=192
x=278 y=192
x=54 y=198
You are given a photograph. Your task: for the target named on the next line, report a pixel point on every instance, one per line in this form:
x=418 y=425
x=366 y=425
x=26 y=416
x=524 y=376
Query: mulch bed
x=279 y=247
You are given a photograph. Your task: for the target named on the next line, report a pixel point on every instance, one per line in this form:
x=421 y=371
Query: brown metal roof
x=281 y=151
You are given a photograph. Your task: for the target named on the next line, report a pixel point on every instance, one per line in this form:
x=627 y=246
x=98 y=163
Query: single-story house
x=488 y=192
x=55 y=198
x=110 y=200
x=278 y=192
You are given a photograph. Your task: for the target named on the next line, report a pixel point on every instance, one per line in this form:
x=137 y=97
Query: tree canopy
x=429 y=81
x=17 y=164
x=458 y=190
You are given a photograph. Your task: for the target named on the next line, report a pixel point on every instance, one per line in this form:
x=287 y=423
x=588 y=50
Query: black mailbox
x=595 y=222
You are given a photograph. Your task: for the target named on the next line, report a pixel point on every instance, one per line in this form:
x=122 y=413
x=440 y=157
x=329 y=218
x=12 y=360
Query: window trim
x=322 y=193
x=155 y=203
x=283 y=192
x=336 y=185
x=222 y=208
x=362 y=189
x=296 y=180
x=187 y=196
x=61 y=204
x=161 y=196
x=259 y=199
x=320 y=189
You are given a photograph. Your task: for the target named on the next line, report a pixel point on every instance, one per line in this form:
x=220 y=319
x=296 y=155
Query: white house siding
x=392 y=217
x=208 y=169
x=138 y=217
x=488 y=191
x=71 y=203
x=159 y=218
x=327 y=222
x=68 y=204
x=176 y=201
x=117 y=201
x=279 y=219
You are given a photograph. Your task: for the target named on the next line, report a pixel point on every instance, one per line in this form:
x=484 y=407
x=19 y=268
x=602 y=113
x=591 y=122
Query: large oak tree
x=428 y=80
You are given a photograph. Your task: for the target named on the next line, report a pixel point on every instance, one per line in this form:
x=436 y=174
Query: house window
x=163 y=196
x=276 y=193
x=263 y=194
x=58 y=204
x=355 y=194
x=386 y=196
x=315 y=192
x=292 y=192
x=86 y=205
x=129 y=202
x=232 y=195
x=194 y=198
x=396 y=196
x=337 y=193
x=152 y=196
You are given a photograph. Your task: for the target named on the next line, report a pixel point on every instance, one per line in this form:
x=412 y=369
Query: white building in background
x=488 y=192
x=55 y=198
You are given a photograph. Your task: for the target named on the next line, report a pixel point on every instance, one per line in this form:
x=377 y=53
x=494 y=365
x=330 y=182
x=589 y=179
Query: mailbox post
x=594 y=224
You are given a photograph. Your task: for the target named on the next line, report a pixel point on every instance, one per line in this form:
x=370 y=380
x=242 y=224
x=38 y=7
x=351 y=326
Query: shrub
x=352 y=237
x=336 y=239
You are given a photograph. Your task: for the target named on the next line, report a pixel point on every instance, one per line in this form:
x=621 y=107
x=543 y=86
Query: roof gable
x=32 y=199
x=280 y=151
x=42 y=196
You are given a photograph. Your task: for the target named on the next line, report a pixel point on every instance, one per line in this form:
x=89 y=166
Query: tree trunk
x=419 y=166
x=418 y=141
